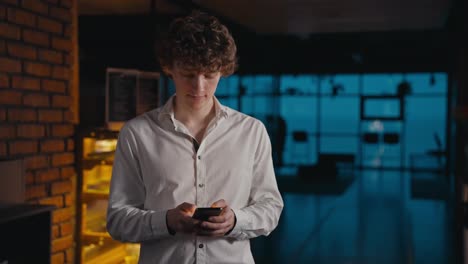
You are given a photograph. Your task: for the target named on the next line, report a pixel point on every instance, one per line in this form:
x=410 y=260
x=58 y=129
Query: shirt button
x=200 y=246
x=199 y=157
x=201 y=185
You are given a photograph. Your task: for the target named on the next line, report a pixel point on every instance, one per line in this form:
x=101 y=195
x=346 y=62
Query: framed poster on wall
x=130 y=93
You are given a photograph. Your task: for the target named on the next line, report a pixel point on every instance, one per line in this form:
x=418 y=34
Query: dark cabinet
x=25 y=233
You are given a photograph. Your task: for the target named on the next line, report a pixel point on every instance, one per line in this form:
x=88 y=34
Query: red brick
x=31 y=131
x=35 y=37
x=49 y=25
x=7 y=132
x=67 y=158
x=69 y=116
x=62 y=73
x=11 y=2
x=36 y=100
x=53 y=145
x=56 y=234
x=63 y=130
x=21 y=17
x=61 y=44
x=51 y=56
x=38 y=69
x=70 y=145
x=66 y=229
x=29 y=177
x=61 y=187
x=35 y=191
x=54 y=86
x=62 y=243
x=67 y=172
x=36 y=6
x=22 y=51
x=50 y=116
x=47 y=175
x=68 y=31
x=10 y=65
x=3 y=149
x=2 y=114
x=4 y=81
x=57 y=258
x=2 y=12
x=2 y=46
x=8 y=97
x=61 y=101
x=66 y=3
x=22 y=115
x=10 y=31
x=61 y=215
x=23 y=147
x=68 y=59
x=61 y=14
x=20 y=82
x=53 y=200
x=69 y=201
x=36 y=162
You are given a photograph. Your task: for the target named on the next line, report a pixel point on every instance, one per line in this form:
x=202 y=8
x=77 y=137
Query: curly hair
x=199 y=42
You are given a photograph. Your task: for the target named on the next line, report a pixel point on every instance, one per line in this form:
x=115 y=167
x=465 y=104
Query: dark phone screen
x=203 y=213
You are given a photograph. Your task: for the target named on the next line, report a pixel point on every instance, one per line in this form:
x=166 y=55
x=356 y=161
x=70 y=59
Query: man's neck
x=194 y=117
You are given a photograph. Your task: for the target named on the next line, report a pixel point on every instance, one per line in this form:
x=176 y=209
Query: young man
x=194 y=152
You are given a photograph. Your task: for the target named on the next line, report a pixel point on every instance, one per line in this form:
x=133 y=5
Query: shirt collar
x=167 y=110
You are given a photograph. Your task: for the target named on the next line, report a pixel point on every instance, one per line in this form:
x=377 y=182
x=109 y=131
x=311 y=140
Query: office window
x=298 y=84
x=346 y=145
x=428 y=83
x=380 y=84
x=340 y=84
x=339 y=114
x=425 y=127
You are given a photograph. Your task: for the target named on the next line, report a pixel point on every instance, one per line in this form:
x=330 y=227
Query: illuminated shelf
x=89 y=237
x=95 y=245
x=112 y=255
x=90 y=163
x=91 y=195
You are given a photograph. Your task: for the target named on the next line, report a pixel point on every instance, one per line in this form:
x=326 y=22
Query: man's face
x=194 y=89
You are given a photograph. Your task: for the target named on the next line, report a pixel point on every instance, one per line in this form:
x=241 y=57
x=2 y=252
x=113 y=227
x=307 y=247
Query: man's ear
x=167 y=71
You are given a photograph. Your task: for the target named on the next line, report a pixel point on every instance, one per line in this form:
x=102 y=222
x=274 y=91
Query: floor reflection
x=377 y=218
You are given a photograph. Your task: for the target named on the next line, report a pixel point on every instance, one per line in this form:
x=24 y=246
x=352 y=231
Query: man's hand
x=180 y=218
x=218 y=225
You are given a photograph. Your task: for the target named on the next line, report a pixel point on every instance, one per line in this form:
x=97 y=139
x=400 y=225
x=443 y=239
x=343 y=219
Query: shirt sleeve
x=127 y=221
x=265 y=202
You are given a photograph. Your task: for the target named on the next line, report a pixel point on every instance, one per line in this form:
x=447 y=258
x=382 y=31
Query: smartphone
x=203 y=213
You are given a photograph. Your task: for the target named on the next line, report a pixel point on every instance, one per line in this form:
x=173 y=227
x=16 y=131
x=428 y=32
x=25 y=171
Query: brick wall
x=36 y=115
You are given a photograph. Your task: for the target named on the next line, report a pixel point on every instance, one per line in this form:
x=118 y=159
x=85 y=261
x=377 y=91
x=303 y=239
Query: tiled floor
x=376 y=219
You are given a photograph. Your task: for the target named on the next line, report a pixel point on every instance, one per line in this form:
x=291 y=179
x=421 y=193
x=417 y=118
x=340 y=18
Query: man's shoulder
x=243 y=117
x=142 y=121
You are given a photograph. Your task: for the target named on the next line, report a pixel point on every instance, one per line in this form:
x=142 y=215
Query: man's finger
x=219 y=219
x=187 y=207
x=213 y=226
x=219 y=203
x=226 y=210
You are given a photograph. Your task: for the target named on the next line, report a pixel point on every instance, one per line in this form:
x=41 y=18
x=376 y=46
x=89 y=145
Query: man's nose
x=198 y=82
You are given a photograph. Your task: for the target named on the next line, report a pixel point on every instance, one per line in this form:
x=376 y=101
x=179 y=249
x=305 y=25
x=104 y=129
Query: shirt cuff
x=158 y=224
x=242 y=223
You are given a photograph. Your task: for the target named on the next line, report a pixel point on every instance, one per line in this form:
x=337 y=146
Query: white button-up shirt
x=157 y=167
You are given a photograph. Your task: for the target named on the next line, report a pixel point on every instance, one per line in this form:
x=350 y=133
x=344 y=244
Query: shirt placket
x=200 y=181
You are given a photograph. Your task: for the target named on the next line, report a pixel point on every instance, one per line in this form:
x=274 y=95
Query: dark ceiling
x=297 y=17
